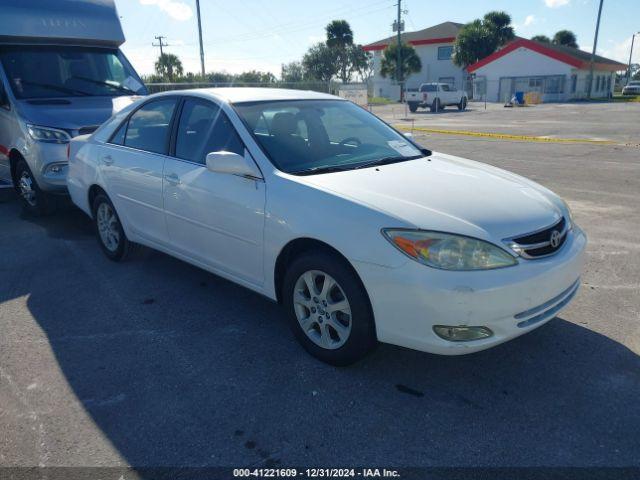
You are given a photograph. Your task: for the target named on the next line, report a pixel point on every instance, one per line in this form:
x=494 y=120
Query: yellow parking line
x=506 y=136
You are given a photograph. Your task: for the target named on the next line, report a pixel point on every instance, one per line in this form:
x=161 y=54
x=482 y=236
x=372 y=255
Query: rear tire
x=463 y=104
x=34 y=200
x=334 y=322
x=413 y=107
x=435 y=106
x=111 y=237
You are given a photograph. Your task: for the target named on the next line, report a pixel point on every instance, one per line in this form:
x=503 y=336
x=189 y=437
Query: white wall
x=528 y=63
x=432 y=70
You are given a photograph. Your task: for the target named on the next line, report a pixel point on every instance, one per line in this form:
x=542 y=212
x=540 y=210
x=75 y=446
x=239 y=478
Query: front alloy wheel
x=26 y=189
x=322 y=309
x=328 y=308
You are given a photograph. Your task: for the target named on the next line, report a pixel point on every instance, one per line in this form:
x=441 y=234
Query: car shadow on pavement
x=178 y=367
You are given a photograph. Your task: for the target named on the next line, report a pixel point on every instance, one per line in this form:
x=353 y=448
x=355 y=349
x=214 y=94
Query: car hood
x=72 y=113
x=447 y=193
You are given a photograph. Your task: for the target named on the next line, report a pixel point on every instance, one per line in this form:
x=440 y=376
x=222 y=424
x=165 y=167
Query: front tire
x=111 y=237
x=35 y=201
x=328 y=309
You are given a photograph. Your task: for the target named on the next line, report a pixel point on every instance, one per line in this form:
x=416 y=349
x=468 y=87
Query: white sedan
x=361 y=234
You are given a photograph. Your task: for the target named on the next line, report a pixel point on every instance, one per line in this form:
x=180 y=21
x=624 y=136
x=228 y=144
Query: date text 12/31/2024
x=315 y=473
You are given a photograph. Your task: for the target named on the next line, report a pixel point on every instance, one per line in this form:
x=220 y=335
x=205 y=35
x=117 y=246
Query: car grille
x=541 y=243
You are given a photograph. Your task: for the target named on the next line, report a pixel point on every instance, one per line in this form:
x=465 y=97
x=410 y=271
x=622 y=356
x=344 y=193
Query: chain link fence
x=322 y=87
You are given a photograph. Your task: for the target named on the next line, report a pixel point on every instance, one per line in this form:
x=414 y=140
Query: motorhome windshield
x=45 y=72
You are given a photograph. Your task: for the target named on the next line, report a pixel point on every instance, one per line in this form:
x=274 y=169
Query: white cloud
x=620 y=50
x=530 y=20
x=556 y=3
x=175 y=9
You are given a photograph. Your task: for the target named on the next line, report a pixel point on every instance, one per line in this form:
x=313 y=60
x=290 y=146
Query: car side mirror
x=232 y=164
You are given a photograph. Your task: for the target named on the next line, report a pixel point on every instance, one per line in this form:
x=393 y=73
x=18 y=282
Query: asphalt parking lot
x=157 y=363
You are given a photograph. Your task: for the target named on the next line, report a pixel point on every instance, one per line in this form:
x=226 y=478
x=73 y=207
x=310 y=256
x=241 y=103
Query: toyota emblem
x=555 y=239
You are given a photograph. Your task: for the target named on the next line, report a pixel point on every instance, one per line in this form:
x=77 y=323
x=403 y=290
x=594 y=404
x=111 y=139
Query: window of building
x=574 y=83
x=535 y=83
x=554 y=84
x=598 y=83
x=609 y=83
x=445 y=53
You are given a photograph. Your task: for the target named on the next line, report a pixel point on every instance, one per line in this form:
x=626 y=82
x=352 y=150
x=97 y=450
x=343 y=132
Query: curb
x=505 y=136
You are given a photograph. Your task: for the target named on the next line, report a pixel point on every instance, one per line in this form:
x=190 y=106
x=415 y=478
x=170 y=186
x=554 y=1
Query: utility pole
x=398 y=27
x=160 y=43
x=200 y=36
x=593 y=52
x=631 y=55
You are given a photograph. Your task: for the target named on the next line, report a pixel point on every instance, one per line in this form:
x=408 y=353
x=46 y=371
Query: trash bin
x=520 y=97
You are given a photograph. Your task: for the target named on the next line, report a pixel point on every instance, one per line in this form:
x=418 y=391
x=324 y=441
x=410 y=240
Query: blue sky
x=262 y=34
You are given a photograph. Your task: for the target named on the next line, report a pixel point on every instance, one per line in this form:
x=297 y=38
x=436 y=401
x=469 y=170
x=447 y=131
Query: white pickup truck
x=436 y=96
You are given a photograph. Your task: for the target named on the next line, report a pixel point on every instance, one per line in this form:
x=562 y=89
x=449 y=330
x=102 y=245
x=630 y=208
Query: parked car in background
x=435 y=96
x=361 y=234
x=632 y=88
x=61 y=75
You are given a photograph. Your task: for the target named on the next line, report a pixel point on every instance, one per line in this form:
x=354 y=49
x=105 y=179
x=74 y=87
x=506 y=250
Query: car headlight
x=49 y=135
x=569 y=214
x=448 y=251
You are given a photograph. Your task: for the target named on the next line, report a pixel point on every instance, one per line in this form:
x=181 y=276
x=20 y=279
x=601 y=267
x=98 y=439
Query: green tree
x=541 y=39
x=481 y=38
x=169 y=66
x=361 y=62
x=499 y=23
x=340 y=40
x=339 y=34
x=320 y=62
x=410 y=61
x=566 y=38
x=292 y=72
x=255 y=76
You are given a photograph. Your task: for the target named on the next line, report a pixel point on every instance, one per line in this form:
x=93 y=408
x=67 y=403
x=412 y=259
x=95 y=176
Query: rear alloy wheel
x=328 y=309
x=111 y=236
x=34 y=200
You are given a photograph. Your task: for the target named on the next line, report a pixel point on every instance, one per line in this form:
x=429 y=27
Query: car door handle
x=172 y=178
x=107 y=160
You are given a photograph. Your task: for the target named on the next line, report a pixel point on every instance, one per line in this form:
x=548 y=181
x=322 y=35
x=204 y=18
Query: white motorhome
x=62 y=74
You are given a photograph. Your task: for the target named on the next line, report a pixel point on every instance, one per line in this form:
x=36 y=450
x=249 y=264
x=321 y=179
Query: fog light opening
x=462 y=333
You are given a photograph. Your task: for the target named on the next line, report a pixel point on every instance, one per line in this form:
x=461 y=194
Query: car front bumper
x=408 y=301
x=41 y=158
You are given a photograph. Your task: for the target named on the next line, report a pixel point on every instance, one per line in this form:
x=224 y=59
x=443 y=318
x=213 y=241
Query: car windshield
x=315 y=136
x=44 y=72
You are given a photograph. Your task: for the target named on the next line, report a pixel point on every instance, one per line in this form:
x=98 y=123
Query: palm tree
x=499 y=23
x=169 y=66
x=566 y=38
x=339 y=34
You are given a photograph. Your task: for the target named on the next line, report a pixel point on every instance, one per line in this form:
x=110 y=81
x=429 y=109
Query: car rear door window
x=204 y=128
x=148 y=127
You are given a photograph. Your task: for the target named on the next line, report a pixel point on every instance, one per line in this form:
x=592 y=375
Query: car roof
x=248 y=94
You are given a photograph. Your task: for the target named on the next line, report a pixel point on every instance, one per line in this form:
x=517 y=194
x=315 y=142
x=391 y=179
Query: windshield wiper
x=386 y=161
x=57 y=88
x=121 y=88
x=325 y=169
